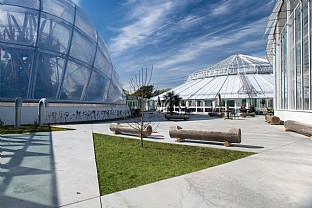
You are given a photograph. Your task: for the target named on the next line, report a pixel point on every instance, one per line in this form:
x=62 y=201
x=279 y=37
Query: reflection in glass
x=15 y=72
x=98 y=87
x=74 y=81
x=82 y=48
x=102 y=47
x=83 y=23
x=49 y=78
x=54 y=35
x=284 y=73
x=61 y=9
x=298 y=58
x=18 y=25
x=103 y=64
x=114 y=95
x=34 y=4
x=306 y=56
x=292 y=67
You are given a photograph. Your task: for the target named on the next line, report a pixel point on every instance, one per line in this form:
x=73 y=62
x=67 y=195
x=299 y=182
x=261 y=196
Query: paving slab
x=75 y=166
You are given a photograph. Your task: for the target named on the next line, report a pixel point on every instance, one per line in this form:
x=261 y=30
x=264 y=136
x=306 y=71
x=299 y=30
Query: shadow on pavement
x=27 y=171
x=221 y=144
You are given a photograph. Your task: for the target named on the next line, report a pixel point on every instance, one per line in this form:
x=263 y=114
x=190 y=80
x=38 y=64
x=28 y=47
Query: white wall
x=303 y=117
x=29 y=114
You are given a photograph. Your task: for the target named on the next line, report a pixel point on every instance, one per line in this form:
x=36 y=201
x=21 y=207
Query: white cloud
x=77 y=2
x=144 y=25
x=222 y=8
x=129 y=2
x=194 y=48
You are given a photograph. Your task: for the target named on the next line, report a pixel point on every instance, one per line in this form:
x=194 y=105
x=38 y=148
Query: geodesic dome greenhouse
x=49 y=48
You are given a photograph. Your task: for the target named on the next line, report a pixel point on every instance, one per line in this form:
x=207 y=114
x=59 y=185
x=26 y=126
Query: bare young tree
x=141 y=84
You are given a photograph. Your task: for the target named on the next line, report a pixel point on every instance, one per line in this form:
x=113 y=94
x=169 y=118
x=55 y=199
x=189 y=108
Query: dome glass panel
x=61 y=9
x=49 y=78
x=54 y=34
x=34 y=4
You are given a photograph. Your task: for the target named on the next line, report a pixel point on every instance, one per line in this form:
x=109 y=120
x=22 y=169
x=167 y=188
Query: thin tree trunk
x=141 y=127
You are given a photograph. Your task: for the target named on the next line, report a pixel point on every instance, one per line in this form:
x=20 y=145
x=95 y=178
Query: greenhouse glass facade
x=49 y=48
x=289 y=50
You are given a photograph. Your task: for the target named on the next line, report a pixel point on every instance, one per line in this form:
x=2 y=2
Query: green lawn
x=122 y=163
x=28 y=129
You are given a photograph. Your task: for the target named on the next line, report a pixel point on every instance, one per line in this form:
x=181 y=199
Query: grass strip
x=122 y=163
x=28 y=129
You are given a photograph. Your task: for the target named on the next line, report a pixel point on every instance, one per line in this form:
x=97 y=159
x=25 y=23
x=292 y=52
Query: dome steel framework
x=49 y=48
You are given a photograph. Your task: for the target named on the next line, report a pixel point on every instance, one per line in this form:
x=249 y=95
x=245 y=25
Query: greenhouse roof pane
x=34 y=4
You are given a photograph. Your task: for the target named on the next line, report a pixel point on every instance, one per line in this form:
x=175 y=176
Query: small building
x=237 y=80
x=289 y=50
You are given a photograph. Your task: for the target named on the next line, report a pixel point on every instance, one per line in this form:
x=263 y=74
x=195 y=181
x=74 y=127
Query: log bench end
x=301 y=128
x=227 y=144
x=179 y=140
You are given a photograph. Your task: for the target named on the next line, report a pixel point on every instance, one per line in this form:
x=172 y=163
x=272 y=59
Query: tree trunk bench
x=183 y=117
x=218 y=114
x=228 y=137
x=117 y=128
x=301 y=128
x=244 y=115
x=273 y=120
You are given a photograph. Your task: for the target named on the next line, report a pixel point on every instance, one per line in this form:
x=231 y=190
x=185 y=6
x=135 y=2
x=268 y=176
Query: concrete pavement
x=58 y=170
x=51 y=169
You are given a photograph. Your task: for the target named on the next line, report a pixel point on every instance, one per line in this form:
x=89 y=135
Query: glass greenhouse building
x=49 y=49
x=239 y=80
x=289 y=48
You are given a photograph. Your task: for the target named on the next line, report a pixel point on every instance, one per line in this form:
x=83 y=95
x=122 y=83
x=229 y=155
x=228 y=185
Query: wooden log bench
x=273 y=120
x=118 y=128
x=301 y=128
x=217 y=114
x=228 y=137
x=183 y=117
x=244 y=115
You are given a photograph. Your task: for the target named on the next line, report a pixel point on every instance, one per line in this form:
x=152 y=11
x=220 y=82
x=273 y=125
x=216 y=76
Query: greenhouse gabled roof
x=239 y=76
x=236 y=64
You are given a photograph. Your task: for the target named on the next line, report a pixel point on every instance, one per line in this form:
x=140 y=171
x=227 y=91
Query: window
x=298 y=41
x=231 y=103
x=292 y=64
x=284 y=69
x=192 y=103
x=305 y=56
x=199 y=103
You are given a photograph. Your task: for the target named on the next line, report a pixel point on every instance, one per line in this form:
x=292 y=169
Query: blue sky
x=177 y=37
